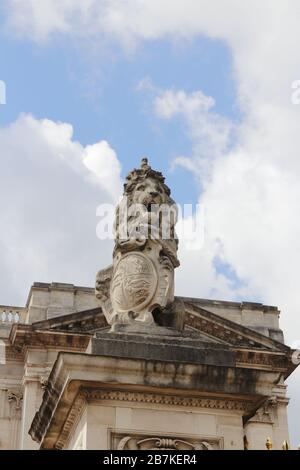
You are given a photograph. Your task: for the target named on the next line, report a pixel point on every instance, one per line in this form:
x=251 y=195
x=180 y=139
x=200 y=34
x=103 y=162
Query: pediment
x=86 y=321
x=199 y=323
x=227 y=331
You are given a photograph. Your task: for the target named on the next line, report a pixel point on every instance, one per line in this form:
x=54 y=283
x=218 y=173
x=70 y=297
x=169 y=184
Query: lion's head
x=146 y=186
x=149 y=191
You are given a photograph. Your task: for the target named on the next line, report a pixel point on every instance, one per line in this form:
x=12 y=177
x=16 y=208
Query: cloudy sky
x=202 y=87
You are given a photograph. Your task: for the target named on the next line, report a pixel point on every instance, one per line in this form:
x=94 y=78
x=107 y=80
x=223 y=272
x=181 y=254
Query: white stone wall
x=25 y=378
x=47 y=301
x=99 y=422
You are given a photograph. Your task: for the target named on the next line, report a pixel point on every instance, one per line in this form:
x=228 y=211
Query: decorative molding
x=23 y=336
x=43 y=377
x=227 y=335
x=273 y=360
x=195 y=402
x=229 y=332
x=44 y=381
x=72 y=420
x=143 y=441
x=15 y=397
x=266 y=413
x=83 y=325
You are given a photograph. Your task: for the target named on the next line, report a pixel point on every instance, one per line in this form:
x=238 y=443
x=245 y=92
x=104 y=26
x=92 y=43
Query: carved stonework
x=134 y=441
x=44 y=376
x=134 y=282
x=138 y=289
x=72 y=420
x=44 y=381
x=157 y=398
x=266 y=413
x=15 y=398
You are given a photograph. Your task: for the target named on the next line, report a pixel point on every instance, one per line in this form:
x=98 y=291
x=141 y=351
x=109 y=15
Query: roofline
x=229 y=303
x=58 y=286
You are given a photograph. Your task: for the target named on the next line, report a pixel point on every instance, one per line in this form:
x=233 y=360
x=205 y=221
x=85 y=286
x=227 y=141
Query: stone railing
x=9 y=315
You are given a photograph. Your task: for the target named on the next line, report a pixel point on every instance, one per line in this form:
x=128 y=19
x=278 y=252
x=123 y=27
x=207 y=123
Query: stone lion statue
x=138 y=289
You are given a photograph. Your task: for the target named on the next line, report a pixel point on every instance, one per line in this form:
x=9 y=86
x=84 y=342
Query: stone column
x=280 y=425
x=32 y=399
x=36 y=373
x=15 y=398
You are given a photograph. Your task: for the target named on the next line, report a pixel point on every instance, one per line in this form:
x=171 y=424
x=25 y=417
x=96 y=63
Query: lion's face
x=132 y=220
x=149 y=191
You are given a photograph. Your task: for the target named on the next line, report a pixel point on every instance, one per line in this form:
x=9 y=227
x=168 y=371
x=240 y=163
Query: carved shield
x=134 y=283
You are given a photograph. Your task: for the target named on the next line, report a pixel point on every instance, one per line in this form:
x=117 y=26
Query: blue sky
x=64 y=82
x=97 y=90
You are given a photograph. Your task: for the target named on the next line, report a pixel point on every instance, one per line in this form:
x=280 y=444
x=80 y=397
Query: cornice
x=25 y=336
x=170 y=400
x=72 y=420
x=82 y=322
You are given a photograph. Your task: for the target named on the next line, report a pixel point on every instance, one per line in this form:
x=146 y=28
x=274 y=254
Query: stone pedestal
x=137 y=391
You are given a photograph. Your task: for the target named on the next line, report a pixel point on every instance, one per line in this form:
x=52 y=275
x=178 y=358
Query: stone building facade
x=224 y=388
x=134 y=366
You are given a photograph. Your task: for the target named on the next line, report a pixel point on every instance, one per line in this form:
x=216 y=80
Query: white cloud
x=31 y=18
x=105 y=168
x=209 y=132
x=48 y=207
x=171 y=103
